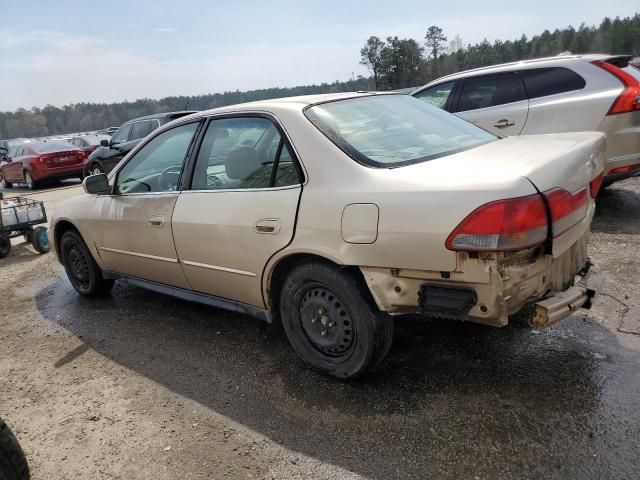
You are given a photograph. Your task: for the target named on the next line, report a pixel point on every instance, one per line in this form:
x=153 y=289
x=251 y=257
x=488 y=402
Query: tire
x=13 y=463
x=82 y=270
x=28 y=179
x=40 y=239
x=4 y=183
x=318 y=297
x=96 y=169
x=5 y=246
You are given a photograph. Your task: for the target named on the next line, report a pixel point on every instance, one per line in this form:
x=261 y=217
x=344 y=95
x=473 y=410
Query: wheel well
x=285 y=265
x=61 y=227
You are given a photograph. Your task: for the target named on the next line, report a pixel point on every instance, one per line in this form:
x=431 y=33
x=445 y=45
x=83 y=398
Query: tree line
x=394 y=63
x=404 y=62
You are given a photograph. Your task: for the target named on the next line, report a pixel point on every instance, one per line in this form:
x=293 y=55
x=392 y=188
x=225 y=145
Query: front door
x=132 y=227
x=497 y=103
x=240 y=210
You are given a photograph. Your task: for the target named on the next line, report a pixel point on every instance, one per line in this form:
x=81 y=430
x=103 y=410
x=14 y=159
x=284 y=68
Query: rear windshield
x=48 y=147
x=394 y=130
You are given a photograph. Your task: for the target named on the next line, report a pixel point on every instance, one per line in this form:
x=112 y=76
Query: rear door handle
x=267 y=225
x=156 y=221
x=504 y=123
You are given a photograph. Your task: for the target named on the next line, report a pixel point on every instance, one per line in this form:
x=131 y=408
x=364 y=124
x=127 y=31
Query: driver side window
x=157 y=166
x=122 y=135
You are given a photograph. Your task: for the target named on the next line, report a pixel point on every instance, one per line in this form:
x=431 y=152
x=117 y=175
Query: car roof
x=589 y=57
x=301 y=101
x=161 y=116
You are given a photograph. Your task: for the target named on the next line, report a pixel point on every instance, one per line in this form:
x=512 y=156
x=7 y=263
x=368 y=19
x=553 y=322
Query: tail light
x=628 y=168
x=567 y=209
x=629 y=99
x=504 y=225
x=595 y=184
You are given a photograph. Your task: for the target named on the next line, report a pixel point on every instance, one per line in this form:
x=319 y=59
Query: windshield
x=394 y=130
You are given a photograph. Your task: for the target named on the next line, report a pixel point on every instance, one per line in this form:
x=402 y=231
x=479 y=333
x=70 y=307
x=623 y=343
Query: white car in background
x=567 y=93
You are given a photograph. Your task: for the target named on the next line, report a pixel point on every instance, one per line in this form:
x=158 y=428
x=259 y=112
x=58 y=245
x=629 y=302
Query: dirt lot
x=137 y=385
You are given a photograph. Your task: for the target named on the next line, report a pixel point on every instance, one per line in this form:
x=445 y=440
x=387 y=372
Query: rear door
x=495 y=102
x=241 y=208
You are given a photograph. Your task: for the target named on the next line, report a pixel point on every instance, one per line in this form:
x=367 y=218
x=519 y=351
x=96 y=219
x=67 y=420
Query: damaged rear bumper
x=560 y=305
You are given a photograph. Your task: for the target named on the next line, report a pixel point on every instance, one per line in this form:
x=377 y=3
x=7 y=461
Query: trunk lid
x=560 y=166
x=63 y=158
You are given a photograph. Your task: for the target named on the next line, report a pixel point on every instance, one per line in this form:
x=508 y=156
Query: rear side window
x=437 y=95
x=541 y=82
x=490 y=90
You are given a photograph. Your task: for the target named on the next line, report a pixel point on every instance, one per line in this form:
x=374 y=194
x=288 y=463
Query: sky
x=62 y=52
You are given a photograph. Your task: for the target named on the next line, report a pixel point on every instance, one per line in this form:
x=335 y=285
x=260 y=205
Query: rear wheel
x=331 y=321
x=40 y=239
x=28 y=179
x=5 y=246
x=83 y=272
x=13 y=463
x=28 y=235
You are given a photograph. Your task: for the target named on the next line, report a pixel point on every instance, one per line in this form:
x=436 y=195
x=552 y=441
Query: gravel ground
x=138 y=385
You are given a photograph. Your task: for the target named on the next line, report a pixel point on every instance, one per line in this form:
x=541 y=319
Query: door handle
x=504 y=123
x=267 y=225
x=156 y=221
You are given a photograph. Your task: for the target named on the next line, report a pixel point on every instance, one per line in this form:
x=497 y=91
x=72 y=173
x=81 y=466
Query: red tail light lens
x=629 y=99
x=595 y=184
x=567 y=209
x=628 y=168
x=504 y=225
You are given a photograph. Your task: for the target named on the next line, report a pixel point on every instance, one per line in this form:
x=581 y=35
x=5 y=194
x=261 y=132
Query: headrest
x=241 y=163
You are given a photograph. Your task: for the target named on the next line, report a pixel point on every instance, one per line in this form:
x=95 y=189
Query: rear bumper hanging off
x=562 y=304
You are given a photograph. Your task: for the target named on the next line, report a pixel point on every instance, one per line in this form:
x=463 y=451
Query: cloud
x=52 y=68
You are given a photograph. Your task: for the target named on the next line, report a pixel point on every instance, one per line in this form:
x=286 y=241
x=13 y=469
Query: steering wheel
x=168 y=179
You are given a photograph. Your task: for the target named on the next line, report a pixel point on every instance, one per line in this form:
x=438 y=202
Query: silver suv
x=567 y=93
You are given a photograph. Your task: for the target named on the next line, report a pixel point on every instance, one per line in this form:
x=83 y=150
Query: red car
x=36 y=162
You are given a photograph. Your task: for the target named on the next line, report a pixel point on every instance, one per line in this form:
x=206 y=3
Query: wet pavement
x=452 y=400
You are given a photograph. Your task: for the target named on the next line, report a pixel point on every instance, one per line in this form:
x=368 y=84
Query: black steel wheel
x=331 y=320
x=83 y=272
x=28 y=235
x=5 y=246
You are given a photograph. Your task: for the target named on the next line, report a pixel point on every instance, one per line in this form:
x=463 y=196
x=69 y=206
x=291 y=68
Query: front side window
x=157 y=166
x=243 y=152
x=490 y=90
x=394 y=130
x=122 y=135
x=541 y=82
x=142 y=129
x=437 y=95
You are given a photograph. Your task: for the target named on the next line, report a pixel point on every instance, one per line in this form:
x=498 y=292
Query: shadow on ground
x=451 y=399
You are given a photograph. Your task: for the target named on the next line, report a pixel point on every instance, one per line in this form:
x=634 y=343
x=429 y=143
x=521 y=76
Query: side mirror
x=104 y=143
x=96 y=184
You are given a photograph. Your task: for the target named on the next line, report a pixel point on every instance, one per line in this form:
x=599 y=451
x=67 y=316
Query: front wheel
x=82 y=270
x=5 y=246
x=4 y=183
x=332 y=322
x=96 y=169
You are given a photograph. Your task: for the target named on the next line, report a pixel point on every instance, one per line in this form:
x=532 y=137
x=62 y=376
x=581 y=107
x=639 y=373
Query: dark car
x=7 y=146
x=89 y=143
x=107 y=156
x=36 y=162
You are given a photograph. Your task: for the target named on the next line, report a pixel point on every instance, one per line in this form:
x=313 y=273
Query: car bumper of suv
x=487 y=288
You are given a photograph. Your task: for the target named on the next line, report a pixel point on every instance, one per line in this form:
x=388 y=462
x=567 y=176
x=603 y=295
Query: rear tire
x=28 y=179
x=5 y=246
x=82 y=270
x=13 y=463
x=332 y=322
x=40 y=239
x=28 y=235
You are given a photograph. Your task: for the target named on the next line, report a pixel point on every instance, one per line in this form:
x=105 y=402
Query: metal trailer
x=18 y=217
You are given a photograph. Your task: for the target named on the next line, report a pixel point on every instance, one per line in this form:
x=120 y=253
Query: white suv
x=567 y=93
